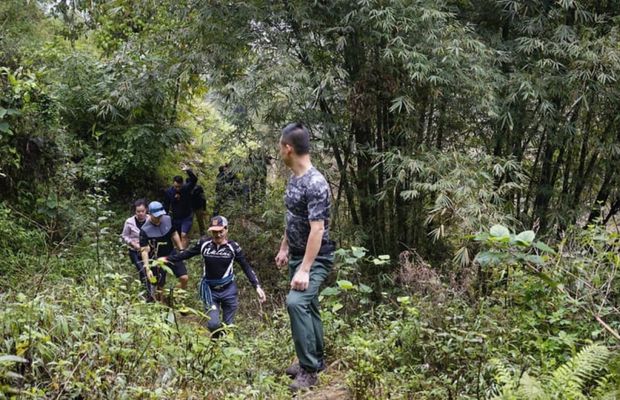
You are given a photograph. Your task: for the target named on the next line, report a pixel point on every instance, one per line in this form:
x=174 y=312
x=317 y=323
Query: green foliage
x=349 y=292
x=458 y=194
x=28 y=131
x=19 y=245
x=508 y=249
x=145 y=353
x=568 y=381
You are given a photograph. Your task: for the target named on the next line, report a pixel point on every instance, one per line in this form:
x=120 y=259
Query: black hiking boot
x=293 y=370
x=304 y=380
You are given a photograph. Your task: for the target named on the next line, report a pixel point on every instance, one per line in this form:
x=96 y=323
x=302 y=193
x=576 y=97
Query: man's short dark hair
x=297 y=136
x=178 y=179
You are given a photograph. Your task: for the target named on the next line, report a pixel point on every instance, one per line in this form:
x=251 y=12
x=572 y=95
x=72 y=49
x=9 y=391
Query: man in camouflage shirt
x=307 y=250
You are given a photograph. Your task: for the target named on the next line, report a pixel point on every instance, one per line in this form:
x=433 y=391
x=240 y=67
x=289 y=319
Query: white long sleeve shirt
x=131 y=233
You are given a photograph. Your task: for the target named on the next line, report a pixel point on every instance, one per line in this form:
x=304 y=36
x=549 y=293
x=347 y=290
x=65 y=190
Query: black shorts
x=178 y=268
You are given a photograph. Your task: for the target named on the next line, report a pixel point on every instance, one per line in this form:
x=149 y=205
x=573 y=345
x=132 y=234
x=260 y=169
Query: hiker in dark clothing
x=159 y=239
x=178 y=203
x=131 y=237
x=218 y=289
x=199 y=206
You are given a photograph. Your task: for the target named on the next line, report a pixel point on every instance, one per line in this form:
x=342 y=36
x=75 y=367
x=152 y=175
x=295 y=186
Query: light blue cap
x=156 y=209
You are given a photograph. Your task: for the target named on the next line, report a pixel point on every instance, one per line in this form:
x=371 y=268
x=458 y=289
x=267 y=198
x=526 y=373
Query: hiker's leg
x=302 y=307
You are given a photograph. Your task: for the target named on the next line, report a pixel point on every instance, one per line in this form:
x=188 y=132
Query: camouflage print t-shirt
x=307 y=199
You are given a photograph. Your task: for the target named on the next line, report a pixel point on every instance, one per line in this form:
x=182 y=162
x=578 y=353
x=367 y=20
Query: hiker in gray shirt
x=308 y=252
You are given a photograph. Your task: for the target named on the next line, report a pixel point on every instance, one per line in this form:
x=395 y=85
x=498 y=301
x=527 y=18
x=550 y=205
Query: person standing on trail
x=218 y=289
x=199 y=207
x=159 y=239
x=178 y=203
x=308 y=252
x=131 y=237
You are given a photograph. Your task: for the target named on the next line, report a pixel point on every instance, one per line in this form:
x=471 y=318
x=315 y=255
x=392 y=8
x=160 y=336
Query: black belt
x=219 y=288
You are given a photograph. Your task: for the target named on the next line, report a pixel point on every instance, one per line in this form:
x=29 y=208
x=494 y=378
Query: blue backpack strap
x=207 y=284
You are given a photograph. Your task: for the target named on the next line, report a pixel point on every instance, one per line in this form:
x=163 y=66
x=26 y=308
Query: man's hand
x=282 y=258
x=261 y=294
x=149 y=275
x=136 y=245
x=300 y=280
x=184 y=167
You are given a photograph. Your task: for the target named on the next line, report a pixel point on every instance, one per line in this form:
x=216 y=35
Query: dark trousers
x=303 y=310
x=201 y=218
x=136 y=260
x=225 y=302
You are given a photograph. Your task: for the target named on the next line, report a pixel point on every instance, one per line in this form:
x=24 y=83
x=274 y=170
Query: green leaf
x=534 y=259
x=481 y=237
x=544 y=248
x=488 y=258
x=233 y=351
x=384 y=257
x=330 y=291
x=336 y=307
x=548 y=280
x=499 y=231
x=341 y=252
x=171 y=318
x=14 y=375
x=525 y=237
x=358 y=252
x=5 y=127
x=365 y=288
x=345 y=285
x=404 y=300
x=11 y=358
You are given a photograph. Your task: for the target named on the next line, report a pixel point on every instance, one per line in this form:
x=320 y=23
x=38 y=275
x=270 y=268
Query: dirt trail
x=331 y=386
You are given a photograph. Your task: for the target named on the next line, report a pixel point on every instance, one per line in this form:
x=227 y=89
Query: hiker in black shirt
x=178 y=203
x=157 y=237
x=217 y=287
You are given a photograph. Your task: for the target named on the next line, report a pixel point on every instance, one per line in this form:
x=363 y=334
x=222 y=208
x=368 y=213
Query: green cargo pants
x=303 y=309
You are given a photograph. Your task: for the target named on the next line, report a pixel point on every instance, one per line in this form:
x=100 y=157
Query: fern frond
x=530 y=388
x=503 y=375
x=605 y=390
x=569 y=378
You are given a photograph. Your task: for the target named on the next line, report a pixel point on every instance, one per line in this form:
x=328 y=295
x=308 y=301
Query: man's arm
x=191 y=181
x=302 y=276
x=144 y=253
x=185 y=254
x=245 y=265
x=249 y=272
x=282 y=256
